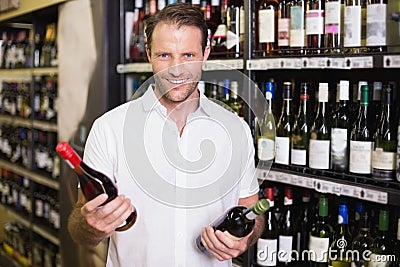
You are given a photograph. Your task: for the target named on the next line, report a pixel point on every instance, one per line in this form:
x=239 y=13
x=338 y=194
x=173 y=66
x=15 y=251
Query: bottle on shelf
x=284 y=127
x=339 y=251
x=301 y=129
x=321 y=235
x=332 y=37
x=315 y=13
x=286 y=229
x=340 y=132
x=235 y=29
x=385 y=140
x=382 y=247
x=266 y=138
x=237 y=222
x=320 y=133
x=267 y=244
x=397 y=244
x=361 y=140
x=49 y=48
x=267 y=26
x=352 y=26
x=235 y=102
x=376 y=25
x=92 y=182
x=362 y=242
x=283 y=26
x=297 y=27
x=303 y=226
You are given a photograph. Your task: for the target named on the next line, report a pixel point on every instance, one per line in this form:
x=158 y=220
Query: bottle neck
x=303 y=104
x=286 y=107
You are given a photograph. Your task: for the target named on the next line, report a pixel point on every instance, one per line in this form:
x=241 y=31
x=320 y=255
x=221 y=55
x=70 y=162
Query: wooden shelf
x=35 y=124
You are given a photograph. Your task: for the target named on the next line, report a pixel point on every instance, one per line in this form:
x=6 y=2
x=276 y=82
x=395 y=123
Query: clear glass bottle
x=267 y=26
x=376 y=26
x=297 y=27
x=315 y=13
x=333 y=26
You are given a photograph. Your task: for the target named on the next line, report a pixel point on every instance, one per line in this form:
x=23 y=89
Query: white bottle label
x=285 y=248
x=383 y=160
x=319 y=249
x=376 y=24
x=338 y=144
x=314 y=22
x=352 y=26
x=265 y=149
x=282 y=150
x=267 y=250
x=332 y=17
x=299 y=157
x=283 y=31
x=319 y=154
x=297 y=31
x=360 y=157
x=266 y=25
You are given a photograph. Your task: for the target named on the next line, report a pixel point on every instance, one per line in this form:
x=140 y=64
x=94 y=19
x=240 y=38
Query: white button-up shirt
x=177 y=183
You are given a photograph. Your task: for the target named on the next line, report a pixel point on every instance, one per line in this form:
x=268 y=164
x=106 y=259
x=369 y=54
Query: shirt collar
x=150 y=102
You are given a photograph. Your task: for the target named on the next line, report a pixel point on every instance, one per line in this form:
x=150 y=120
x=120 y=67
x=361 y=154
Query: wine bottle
x=361 y=141
x=340 y=132
x=339 y=251
x=376 y=26
x=320 y=133
x=303 y=226
x=235 y=103
x=267 y=26
x=397 y=251
x=376 y=106
x=297 y=27
x=362 y=242
x=385 y=141
x=301 y=129
x=283 y=26
x=237 y=222
x=267 y=244
x=321 y=236
x=382 y=247
x=352 y=26
x=266 y=139
x=233 y=33
x=286 y=229
x=315 y=13
x=332 y=26
x=92 y=182
x=284 y=127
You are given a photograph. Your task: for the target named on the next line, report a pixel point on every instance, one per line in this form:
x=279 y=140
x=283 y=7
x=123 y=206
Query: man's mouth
x=178 y=82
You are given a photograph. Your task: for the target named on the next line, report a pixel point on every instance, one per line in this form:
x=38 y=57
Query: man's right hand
x=106 y=218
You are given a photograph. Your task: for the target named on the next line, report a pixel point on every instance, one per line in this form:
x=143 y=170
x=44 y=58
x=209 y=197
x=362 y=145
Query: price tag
x=279 y=177
x=309 y=182
x=373 y=195
x=271 y=176
x=211 y=65
x=336 y=189
x=360 y=62
x=314 y=62
x=290 y=63
x=323 y=186
x=347 y=190
x=335 y=63
x=294 y=179
x=134 y=67
x=275 y=63
x=253 y=64
x=391 y=61
x=285 y=178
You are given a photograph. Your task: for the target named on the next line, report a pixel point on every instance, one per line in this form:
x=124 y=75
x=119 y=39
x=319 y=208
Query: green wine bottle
x=362 y=242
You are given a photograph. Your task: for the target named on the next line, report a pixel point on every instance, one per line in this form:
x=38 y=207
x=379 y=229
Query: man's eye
x=189 y=55
x=163 y=55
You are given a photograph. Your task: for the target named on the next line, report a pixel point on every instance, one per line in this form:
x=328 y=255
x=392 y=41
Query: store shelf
x=20 y=218
x=45 y=71
x=22 y=122
x=38 y=178
x=341 y=186
x=46 y=233
x=28 y=6
x=209 y=65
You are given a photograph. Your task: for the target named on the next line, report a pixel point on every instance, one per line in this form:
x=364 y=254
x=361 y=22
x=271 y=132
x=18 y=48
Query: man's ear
x=207 y=51
x=148 y=53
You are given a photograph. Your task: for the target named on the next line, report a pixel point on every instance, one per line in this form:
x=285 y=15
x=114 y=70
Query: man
x=161 y=139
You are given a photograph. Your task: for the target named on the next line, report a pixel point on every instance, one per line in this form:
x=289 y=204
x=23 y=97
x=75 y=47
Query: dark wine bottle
x=92 y=182
x=237 y=222
x=286 y=229
x=303 y=226
x=362 y=242
x=382 y=246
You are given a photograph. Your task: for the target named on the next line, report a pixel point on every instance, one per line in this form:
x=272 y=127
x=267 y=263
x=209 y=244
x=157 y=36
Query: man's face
x=176 y=57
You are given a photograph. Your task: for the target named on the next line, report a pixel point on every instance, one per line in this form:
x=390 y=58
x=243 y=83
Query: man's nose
x=176 y=69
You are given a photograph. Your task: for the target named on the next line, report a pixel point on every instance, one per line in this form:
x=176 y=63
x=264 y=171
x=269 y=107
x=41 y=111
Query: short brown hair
x=181 y=14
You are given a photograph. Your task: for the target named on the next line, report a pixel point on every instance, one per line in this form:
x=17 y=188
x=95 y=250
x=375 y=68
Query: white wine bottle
x=237 y=222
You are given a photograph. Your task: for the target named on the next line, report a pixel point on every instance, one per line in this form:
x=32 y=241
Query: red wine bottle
x=92 y=182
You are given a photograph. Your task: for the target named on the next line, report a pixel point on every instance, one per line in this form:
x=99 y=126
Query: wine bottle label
x=221 y=31
x=352 y=26
x=39 y=208
x=376 y=24
x=339 y=148
x=360 y=157
x=282 y=150
x=266 y=25
x=332 y=17
x=378 y=261
x=241 y=21
x=319 y=154
x=213 y=2
x=297 y=30
x=319 y=249
x=285 y=245
x=299 y=157
x=267 y=252
x=283 y=31
x=265 y=149
x=314 y=22
x=383 y=160
x=232 y=39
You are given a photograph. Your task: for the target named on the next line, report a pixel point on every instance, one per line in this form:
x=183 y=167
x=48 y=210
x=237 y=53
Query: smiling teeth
x=177 y=81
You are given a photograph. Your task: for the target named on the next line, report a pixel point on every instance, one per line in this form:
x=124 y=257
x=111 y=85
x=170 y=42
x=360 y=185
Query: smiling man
x=182 y=159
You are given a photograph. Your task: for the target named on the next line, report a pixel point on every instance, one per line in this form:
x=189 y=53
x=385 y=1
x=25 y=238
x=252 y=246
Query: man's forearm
x=257 y=230
x=81 y=232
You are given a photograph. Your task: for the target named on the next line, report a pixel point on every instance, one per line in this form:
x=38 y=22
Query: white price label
x=253 y=64
x=309 y=182
x=134 y=67
x=223 y=64
x=314 y=62
x=294 y=179
x=290 y=63
x=335 y=63
x=360 y=62
x=391 y=61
